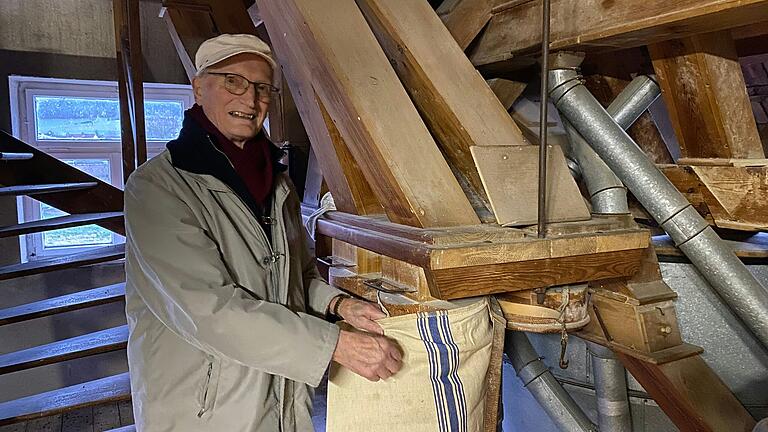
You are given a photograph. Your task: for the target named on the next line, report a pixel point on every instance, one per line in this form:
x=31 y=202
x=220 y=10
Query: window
x=79 y=123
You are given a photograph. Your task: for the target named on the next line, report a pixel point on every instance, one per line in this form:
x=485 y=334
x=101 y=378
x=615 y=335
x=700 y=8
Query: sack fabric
x=442 y=386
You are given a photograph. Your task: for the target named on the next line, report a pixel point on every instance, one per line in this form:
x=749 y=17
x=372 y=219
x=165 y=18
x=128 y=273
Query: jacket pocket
x=209 y=387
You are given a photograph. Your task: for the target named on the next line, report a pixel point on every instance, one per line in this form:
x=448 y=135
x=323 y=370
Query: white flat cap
x=225 y=46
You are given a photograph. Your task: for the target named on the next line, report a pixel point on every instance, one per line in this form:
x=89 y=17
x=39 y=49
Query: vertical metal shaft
x=542 y=213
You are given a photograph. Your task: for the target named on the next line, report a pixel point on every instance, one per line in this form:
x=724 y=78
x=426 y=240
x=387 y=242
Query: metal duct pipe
x=606 y=192
x=536 y=377
x=716 y=262
x=611 y=388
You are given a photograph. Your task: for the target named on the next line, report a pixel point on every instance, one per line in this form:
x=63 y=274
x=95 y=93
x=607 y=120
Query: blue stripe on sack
x=449 y=400
x=462 y=402
x=432 y=360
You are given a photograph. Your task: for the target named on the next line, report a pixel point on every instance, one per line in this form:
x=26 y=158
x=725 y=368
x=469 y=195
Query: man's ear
x=197 y=88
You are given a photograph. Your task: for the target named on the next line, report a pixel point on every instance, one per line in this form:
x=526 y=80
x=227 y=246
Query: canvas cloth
x=442 y=386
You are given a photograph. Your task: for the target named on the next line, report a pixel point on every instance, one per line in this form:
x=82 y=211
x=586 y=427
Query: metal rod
x=542 y=213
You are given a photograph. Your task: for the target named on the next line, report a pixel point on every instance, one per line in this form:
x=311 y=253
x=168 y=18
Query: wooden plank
x=507 y=91
x=596 y=24
x=39 y=189
x=704 y=90
x=102 y=254
x=691 y=394
x=510 y=176
x=461 y=282
x=465 y=18
x=61 y=304
x=358 y=88
x=343 y=175
x=109 y=389
x=731 y=197
x=5 y=156
x=131 y=428
x=125 y=408
x=130 y=74
x=59 y=222
x=44 y=168
x=454 y=100
x=81 y=346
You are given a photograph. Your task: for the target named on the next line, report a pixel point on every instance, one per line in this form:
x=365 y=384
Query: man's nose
x=251 y=96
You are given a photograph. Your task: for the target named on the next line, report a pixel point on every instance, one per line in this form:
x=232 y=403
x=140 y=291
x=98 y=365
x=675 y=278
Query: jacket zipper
x=269 y=266
x=204 y=407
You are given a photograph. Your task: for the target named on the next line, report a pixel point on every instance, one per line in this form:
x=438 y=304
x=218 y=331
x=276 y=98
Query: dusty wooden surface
x=596 y=24
x=705 y=94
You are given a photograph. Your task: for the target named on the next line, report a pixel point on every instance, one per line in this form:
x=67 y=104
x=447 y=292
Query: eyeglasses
x=238 y=85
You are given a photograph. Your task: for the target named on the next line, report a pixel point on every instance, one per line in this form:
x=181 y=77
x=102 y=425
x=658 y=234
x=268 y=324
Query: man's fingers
x=371 y=326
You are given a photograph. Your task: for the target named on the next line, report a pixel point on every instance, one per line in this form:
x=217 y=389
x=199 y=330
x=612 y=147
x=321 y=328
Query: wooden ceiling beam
x=600 y=25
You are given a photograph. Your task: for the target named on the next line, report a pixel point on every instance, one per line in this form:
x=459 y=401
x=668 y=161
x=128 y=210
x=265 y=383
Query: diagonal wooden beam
x=465 y=18
x=351 y=192
x=373 y=113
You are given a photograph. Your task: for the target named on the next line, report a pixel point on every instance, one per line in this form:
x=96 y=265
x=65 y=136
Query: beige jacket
x=222 y=336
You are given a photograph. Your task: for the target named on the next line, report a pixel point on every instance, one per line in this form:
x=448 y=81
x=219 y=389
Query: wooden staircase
x=27 y=171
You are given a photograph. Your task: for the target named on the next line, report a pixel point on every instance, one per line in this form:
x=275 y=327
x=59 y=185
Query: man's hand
x=360 y=314
x=371 y=356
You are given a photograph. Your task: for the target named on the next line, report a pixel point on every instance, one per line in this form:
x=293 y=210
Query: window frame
x=23 y=90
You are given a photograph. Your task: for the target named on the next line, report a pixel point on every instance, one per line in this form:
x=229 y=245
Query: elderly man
x=224 y=302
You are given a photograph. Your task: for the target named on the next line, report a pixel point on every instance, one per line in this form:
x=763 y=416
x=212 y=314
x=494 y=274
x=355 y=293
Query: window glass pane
x=163 y=119
x=68 y=118
x=88 y=235
x=86 y=119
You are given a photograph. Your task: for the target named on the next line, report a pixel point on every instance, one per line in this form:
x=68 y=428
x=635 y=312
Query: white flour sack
x=441 y=387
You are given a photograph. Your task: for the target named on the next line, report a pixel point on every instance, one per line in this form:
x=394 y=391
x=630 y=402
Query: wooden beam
x=351 y=192
x=691 y=394
x=704 y=90
x=365 y=99
x=466 y=18
x=506 y=91
x=597 y=24
x=733 y=197
x=130 y=65
x=456 y=103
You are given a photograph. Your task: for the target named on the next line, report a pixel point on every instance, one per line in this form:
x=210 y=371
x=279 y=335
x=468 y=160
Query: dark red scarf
x=253 y=163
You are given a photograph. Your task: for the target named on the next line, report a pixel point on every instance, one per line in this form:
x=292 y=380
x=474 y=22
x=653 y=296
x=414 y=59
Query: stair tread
x=110 y=389
x=44 y=188
x=8 y=156
x=65 y=303
x=131 y=428
x=80 y=346
x=58 y=223
x=102 y=254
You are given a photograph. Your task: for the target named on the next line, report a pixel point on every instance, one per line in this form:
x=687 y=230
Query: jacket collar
x=194 y=151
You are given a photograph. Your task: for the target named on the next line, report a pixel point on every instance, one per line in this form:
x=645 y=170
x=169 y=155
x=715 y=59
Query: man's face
x=238 y=117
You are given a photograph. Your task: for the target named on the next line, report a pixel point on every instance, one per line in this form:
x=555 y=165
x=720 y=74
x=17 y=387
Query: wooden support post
x=691 y=394
x=704 y=90
x=366 y=101
x=130 y=64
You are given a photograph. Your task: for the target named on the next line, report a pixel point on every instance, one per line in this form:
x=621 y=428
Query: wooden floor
x=90 y=419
